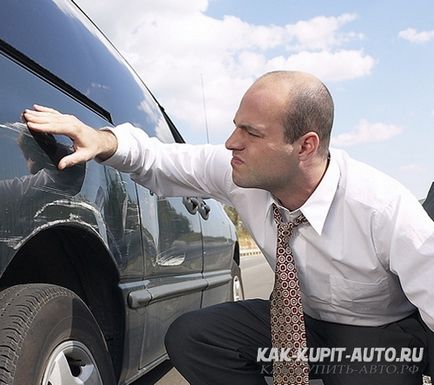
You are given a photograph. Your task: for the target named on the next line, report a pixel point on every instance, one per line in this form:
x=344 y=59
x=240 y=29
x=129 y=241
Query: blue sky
x=376 y=57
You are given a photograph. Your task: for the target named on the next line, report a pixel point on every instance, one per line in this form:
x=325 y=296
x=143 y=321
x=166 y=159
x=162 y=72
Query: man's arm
x=405 y=237
x=166 y=169
x=88 y=142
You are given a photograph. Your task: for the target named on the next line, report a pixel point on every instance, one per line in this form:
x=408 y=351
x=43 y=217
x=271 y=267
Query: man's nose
x=234 y=141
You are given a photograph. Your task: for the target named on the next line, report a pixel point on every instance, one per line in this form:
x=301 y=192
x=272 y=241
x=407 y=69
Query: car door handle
x=204 y=209
x=191 y=204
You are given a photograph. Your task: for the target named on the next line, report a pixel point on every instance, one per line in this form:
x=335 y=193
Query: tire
x=48 y=336
x=237 y=290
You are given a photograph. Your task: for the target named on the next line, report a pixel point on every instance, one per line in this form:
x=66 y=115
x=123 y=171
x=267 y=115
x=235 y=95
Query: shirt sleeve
x=405 y=236
x=172 y=169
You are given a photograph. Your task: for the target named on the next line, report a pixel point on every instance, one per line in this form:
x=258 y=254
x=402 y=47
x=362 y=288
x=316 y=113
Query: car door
x=172 y=239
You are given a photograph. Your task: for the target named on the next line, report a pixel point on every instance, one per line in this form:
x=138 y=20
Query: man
x=363 y=249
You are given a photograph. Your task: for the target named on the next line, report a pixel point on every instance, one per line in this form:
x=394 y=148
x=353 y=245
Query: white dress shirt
x=366 y=257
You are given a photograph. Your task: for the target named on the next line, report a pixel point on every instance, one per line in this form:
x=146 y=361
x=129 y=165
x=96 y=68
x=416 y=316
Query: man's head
x=282 y=130
x=308 y=106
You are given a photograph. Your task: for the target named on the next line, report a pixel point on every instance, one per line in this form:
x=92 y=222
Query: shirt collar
x=316 y=208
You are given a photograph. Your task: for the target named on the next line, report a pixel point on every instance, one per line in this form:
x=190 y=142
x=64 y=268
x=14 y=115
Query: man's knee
x=181 y=334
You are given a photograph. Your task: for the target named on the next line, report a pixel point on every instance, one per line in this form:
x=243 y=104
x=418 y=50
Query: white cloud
x=171 y=44
x=367 y=132
x=328 y=66
x=414 y=36
x=322 y=32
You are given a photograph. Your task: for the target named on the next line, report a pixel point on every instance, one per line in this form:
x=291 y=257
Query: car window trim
x=176 y=134
x=24 y=61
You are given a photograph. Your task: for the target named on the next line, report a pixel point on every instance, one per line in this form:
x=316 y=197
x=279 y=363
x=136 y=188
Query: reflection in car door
x=173 y=271
x=218 y=244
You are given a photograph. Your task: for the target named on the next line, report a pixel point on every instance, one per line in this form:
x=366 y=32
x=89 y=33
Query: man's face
x=262 y=158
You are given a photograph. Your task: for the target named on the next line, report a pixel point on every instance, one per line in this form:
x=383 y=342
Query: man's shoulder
x=367 y=185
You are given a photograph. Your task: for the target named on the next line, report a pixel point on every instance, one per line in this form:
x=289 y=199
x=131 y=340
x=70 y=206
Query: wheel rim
x=71 y=363
x=237 y=289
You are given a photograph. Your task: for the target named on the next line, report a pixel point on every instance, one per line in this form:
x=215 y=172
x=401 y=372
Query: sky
x=376 y=57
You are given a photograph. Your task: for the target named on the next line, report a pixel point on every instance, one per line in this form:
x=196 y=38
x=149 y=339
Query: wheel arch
x=73 y=257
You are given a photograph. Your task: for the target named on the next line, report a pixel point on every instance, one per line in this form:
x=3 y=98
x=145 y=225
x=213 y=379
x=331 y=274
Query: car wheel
x=237 y=290
x=48 y=336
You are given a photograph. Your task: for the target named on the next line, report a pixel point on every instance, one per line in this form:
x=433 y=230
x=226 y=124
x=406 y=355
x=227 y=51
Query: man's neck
x=298 y=192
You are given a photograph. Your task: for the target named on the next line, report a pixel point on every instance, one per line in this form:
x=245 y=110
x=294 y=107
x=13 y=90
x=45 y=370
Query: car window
x=84 y=60
x=20 y=89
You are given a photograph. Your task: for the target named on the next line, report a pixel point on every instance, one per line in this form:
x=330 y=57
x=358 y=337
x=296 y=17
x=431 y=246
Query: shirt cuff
x=121 y=133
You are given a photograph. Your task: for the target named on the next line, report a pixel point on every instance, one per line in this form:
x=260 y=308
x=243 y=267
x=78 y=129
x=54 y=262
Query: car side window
x=30 y=168
x=84 y=60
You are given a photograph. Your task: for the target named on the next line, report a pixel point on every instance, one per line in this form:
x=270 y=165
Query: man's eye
x=253 y=134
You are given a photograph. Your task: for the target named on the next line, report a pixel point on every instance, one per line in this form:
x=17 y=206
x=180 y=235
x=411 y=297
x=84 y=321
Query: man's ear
x=309 y=144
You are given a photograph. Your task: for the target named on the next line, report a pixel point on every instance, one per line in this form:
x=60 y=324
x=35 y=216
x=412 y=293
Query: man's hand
x=88 y=142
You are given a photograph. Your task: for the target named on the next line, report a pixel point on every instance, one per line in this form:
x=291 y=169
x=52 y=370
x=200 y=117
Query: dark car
x=93 y=267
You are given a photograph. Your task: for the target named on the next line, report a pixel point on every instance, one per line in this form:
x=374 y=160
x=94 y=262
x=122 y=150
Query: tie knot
x=289 y=225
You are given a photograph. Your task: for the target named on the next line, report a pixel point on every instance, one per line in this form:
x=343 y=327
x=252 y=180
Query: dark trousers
x=219 y=345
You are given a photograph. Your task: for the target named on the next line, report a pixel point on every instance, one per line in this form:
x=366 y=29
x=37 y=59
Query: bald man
x=361 y=256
